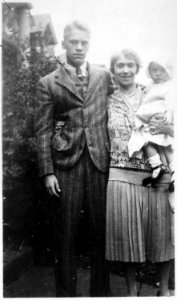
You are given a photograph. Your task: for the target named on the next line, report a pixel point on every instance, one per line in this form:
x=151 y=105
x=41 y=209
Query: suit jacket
x=65 y=122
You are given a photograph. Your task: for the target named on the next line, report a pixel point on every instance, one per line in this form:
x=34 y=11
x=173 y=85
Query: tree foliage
x=21 y=72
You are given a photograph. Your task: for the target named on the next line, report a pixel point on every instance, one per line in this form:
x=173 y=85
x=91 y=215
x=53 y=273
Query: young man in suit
x=73 y=155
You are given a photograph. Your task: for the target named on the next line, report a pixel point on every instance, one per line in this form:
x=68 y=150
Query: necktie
x=79 y=73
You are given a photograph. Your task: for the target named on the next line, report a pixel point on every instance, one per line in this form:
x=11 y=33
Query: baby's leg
x=150 y=150
x=153 y=158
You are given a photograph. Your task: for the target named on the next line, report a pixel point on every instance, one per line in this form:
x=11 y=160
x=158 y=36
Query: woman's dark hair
x=128 y=54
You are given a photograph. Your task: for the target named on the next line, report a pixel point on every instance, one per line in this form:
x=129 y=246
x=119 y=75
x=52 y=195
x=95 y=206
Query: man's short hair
x=75 y=24
x=128 y=54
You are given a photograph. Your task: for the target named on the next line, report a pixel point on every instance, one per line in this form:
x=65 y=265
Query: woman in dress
x=138 y=217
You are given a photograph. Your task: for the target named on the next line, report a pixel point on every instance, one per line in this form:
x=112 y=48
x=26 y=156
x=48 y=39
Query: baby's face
x=158 y=73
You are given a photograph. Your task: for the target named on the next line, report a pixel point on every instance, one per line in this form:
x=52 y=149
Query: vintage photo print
x=89 y=92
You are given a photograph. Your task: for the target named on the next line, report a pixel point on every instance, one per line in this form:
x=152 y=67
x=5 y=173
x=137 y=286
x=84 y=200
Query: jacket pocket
x=62 y=140
x=58 y=126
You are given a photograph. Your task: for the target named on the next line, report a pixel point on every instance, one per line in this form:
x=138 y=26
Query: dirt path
x=39 y=282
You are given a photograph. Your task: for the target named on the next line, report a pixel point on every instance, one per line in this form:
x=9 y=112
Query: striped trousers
x=82 y=185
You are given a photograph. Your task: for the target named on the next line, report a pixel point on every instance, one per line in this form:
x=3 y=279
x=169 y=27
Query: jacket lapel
x=67 y=79
x=94 y=76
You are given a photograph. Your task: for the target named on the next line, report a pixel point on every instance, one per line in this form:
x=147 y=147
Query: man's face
x=158 y=73
x=76 y=44
x=125 y=70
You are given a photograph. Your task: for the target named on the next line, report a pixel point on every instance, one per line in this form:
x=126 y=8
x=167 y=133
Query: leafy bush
x=21 y=188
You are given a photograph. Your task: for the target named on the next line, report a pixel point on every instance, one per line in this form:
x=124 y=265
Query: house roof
x=27 y=5
x=43 y=24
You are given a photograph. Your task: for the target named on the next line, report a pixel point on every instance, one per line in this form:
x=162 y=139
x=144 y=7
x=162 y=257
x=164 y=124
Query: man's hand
x=52 y=186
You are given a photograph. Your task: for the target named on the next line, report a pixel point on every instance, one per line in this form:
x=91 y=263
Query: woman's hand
x=169 y=117
x=157 y=125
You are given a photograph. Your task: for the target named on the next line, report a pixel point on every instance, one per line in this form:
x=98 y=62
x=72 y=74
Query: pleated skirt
x=139 y=221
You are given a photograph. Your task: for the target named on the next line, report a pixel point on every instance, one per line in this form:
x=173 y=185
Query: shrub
x=21 y=71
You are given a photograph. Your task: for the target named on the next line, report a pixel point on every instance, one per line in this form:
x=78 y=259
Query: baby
x=159 y=100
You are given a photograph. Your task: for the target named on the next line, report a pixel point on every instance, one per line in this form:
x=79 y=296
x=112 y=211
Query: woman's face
x=125 y=70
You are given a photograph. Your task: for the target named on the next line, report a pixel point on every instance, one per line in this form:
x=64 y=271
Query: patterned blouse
x=121 y=111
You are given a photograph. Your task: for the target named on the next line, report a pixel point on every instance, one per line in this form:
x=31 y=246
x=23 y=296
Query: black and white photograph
x=88 y=148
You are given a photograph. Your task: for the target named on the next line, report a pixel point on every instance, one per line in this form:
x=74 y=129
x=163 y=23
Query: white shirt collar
x=83 y=68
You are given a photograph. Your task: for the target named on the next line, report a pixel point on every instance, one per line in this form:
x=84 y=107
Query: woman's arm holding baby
x=157 y=126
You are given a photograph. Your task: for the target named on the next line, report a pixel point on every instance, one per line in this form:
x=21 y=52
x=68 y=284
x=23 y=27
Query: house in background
x=17 y=21
x=19 y=26
x=42 y=26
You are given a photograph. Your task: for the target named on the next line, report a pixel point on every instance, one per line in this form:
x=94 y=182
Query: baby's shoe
x=153 y=180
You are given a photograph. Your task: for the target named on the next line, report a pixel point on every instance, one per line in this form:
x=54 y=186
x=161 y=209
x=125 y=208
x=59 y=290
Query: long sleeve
x=44 y=126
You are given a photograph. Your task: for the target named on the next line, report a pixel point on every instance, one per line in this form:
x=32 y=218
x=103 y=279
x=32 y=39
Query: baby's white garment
x=157 y=101
x=142 y=136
